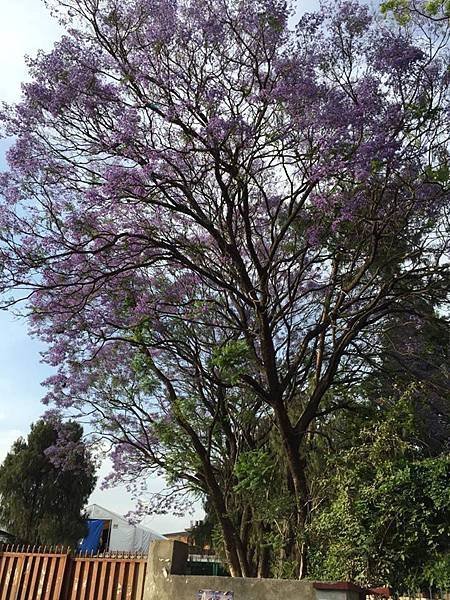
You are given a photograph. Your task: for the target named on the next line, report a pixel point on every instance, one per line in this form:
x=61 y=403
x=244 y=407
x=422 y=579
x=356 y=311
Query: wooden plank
x=5 y=565
x=130 y=581
x=76 y=581
x=63 y=572
x=30 y=592
x=3 y=561
x=94 y=579
x=41 y=580
x=85 y=571
x=17 y=577
x=141 y=581
x=52 y=572
x=25 y=575
x=30 y=553
x=103 y=572
x=8 y=578
x=112 y=573
x=120 y=581
x=26 y=578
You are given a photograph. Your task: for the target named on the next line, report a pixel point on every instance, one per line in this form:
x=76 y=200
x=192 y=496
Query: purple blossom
x=184 y=168
x=395 y=53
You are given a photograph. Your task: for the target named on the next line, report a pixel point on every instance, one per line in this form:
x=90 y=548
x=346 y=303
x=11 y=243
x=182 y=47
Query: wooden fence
x=29 y=573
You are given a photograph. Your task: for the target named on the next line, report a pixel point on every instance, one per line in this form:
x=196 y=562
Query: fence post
x=62 y=591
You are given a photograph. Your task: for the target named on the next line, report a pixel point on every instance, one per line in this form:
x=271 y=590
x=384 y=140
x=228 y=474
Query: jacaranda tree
x=202 y=165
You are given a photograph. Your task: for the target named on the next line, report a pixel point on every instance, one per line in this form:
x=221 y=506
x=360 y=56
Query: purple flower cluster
x=185 y=169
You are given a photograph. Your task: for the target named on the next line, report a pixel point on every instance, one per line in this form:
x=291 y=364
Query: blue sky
x=25 y=27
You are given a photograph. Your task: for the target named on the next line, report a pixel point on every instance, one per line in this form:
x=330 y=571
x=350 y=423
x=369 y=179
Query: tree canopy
x=386 y=516
x=45 y=482
x=214 y=217
x=406 y=10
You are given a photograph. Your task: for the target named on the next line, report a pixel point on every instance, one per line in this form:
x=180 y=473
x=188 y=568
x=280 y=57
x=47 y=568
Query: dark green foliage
x=416 y=357
x=387 y=518
x=45 y=481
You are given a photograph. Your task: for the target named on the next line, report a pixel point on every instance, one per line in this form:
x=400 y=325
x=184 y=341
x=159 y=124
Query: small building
x=110 y=532
x=180 y=536
x=202 y=559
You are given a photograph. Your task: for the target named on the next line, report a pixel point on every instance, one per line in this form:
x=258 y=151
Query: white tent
x=122 y=535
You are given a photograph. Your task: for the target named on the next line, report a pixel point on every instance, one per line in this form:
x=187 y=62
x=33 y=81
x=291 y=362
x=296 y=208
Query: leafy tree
x=389 y=517
x=416 y=359
x=45 y=482
x=381 y=512
x=237 y=206
x=195 y=436
x=404 y=10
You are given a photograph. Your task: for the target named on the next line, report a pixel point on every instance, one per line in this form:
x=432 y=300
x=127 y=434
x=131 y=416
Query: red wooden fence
x=55 y=574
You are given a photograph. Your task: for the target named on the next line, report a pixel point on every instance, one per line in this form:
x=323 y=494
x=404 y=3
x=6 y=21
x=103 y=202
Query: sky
x=25 y=27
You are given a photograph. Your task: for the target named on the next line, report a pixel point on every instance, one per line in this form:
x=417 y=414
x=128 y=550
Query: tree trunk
x=264 y=554
x=230 y=547
x=244 y=532
x=234 y=550
x=291 y=439
x=291 y=442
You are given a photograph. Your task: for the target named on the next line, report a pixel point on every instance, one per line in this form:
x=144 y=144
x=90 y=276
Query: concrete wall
x=179 y=587
x=165 y=581
x=339 y=591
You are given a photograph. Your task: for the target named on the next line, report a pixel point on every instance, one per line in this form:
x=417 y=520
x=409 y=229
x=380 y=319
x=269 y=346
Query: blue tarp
x=91 y=542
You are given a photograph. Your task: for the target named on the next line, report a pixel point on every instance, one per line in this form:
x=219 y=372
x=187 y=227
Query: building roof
x=95 y=511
